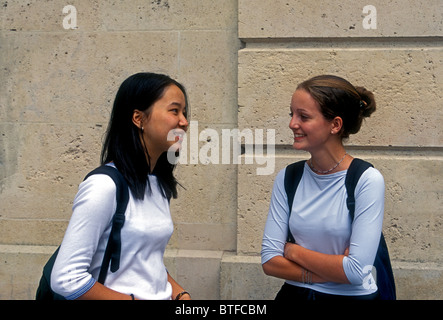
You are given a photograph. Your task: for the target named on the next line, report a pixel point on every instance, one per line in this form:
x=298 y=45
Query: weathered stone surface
x=21 y=270
x=240 y=62
x=242 y=278
x=208 y=68
x=185 y=264
x=73 y=77
x=302 y=19
x=406 y=84
x=426 y=283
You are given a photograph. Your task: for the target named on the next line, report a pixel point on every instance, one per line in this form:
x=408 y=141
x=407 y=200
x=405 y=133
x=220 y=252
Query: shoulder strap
x=355 y=170
x=293 y=175
x=382 y=262
x=113 y=248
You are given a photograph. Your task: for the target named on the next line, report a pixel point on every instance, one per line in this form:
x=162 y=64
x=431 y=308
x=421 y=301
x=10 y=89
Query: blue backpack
x=113 y=248
x=385 y=277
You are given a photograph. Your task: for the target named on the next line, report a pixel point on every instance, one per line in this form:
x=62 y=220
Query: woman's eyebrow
x=175 y=104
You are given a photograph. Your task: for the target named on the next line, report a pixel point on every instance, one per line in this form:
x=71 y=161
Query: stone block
x=119 y=15
x=9 y=140
x=32 y=232
x=21 y=270
x=334 y=19
x=207 y=183
x=197 y=271
x=73 y=77
x=204 y=236
x=167 y=15
x=51 y=161
x=406 y=84
x=208 y=69
x=242 y=278
x=413 y=202
x=47 y=16
x=416 y=281
x=204 y=213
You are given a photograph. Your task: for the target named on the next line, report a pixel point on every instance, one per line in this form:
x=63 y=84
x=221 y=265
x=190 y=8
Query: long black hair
x=122 y=144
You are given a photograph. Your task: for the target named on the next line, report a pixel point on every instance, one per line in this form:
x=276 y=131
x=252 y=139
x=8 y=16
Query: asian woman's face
x=167 y=115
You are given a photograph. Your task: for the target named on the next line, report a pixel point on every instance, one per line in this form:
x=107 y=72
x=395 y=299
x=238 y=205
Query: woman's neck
x=328 y=161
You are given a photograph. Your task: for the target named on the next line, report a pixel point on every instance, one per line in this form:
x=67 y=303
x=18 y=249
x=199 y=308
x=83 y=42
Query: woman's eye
x=291 y=114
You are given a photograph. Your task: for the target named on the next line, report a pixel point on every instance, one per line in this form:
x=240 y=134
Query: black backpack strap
x=293 y=175
x=355 y=170
x=44 y=291
x=385 y=275
x=113 y=248
x=382 y=263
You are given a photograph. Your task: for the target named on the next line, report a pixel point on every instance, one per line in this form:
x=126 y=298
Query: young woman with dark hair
x=332 y=256
x=147 y=108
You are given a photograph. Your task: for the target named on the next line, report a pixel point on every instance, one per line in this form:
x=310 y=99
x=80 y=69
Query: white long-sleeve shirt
x=144 y=236
x=320 y=221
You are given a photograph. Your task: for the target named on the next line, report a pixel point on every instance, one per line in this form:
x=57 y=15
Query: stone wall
x=240 y=62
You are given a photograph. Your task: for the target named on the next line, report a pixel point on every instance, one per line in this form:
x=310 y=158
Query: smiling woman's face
x=166 y=114
x=311 y=129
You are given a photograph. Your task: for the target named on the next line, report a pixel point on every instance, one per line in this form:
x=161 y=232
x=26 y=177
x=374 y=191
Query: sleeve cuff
x=82 y=290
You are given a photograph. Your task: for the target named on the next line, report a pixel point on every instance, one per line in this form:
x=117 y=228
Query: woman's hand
x=185 y=296
x=290 y=251
x=177 y=290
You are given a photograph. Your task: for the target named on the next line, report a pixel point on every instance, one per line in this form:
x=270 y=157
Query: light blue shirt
x=320 y=221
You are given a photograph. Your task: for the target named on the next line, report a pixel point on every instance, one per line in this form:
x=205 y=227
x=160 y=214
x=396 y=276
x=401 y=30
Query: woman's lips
x=298 y=136
x=178 y=134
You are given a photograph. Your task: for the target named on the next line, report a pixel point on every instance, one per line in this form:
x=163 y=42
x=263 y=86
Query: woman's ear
x=137 y=118
x=337 y=125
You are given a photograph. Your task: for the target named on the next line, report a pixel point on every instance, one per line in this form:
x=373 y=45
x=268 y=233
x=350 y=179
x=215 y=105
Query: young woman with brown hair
x=332 y=255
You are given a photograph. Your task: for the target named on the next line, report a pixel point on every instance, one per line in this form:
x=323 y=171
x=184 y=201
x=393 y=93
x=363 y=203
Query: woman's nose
x=183 y=123
x=293 y=124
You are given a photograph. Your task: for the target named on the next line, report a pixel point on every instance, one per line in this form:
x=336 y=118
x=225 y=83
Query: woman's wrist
x=306 y=276
x=181 y=294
